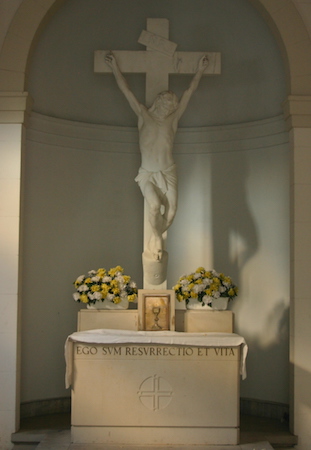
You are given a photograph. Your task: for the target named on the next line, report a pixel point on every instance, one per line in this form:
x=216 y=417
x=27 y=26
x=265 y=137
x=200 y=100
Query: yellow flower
x=176 y=287
x=83 y=298
x=198 y=281
x=117 y=300
x=104 y=289
x=200 y=269
x=114 y=270
x=101 y=272
x=126 y=279
x=231 y=292
x=190 y=286
x=95 y=288
x=132 y=298
x=114 y=283
x=193 y=294
x=88 y=280
x=116 y=291
x=180 y=297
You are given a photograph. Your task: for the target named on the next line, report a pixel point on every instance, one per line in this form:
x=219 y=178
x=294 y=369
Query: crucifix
x=157 y=62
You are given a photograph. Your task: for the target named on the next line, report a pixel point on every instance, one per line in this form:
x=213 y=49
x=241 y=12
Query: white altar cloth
x=105 y=336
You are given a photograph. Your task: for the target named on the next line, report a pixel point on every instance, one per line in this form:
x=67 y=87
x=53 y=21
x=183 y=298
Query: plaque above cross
x=158 y=61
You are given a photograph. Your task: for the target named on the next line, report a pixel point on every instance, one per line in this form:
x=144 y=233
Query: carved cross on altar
x=157 y=62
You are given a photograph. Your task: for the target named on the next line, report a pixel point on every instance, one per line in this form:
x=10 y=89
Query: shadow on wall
x=235 y=238
x=262 y=311
x=270 y=376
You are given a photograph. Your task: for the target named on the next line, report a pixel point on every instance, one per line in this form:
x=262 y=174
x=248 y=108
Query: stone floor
x=52 y=432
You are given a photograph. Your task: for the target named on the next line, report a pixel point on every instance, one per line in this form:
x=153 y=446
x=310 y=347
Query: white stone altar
x=155 y=388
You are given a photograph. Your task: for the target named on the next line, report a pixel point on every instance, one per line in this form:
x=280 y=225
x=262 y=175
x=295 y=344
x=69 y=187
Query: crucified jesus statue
x=157 y=126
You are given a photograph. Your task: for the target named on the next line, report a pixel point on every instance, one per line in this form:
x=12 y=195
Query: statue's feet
x=158 y=255
x=156 y=247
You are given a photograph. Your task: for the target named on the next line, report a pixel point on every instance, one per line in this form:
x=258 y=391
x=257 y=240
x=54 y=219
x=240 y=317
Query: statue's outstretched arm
x=122 y=84
x=203 y=63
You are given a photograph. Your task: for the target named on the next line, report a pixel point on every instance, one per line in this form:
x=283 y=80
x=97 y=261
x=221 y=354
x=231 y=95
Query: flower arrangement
x=102 y=285
x=204 y=286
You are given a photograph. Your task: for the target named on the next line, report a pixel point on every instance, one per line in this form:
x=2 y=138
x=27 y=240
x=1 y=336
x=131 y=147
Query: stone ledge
x=27 y=438
x=44 y=407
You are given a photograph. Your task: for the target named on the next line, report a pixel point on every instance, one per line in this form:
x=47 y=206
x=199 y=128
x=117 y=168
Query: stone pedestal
x=147 y=394
x=126 y=319
x=185 y=320
x=197 y=321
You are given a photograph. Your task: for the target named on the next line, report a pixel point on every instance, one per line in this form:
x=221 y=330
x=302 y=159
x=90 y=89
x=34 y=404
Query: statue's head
x=166 y=101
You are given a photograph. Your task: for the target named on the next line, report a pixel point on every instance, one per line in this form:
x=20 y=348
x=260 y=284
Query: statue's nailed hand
x=110 y=60
x=203 y=63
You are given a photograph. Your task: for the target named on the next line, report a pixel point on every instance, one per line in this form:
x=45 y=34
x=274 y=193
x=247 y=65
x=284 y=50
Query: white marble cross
x=157 y=62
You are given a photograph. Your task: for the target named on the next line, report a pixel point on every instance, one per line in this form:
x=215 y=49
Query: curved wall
x=292 y=36
x=251 y=86
x=83 y=210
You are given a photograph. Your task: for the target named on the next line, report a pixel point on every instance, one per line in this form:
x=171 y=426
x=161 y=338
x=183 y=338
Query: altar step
x=51 y=432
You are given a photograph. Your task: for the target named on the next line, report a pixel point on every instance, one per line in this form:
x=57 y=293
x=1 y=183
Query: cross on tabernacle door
x=157 y=62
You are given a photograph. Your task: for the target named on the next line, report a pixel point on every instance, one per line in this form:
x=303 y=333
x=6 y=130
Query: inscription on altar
x=154 y=351
x=168 y=388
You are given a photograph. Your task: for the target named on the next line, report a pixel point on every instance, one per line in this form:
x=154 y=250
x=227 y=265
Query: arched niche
x=282 y=17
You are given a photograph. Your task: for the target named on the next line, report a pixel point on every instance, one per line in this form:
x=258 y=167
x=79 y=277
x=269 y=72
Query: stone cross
x=159 y=61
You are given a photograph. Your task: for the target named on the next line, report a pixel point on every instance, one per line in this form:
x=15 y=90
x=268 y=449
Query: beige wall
x=285 y=19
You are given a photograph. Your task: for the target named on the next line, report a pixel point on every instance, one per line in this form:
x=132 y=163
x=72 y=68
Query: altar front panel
x=155 y=394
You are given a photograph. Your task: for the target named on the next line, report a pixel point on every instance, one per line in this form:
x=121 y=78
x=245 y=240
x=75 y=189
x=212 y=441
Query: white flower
x=83 y=288
x=80 y=279
x=183 y=282
x=95 y=279
x=196 y=275
x=216 y=294
x=132 y=284
x=206 y=299
x=222 y=289
x=110 y=297
x=97 y=296
x=198 y=288
x=207 y=281
x=90 y=296
x=106 y=279
x=76 y=296
x=92 y=272
x=120 y=280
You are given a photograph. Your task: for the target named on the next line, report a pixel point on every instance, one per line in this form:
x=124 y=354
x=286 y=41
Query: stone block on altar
x=94 y=319
x=154 y=394
x=196 y=321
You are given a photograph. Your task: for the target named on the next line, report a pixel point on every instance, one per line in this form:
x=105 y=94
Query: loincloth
x=163 y=179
